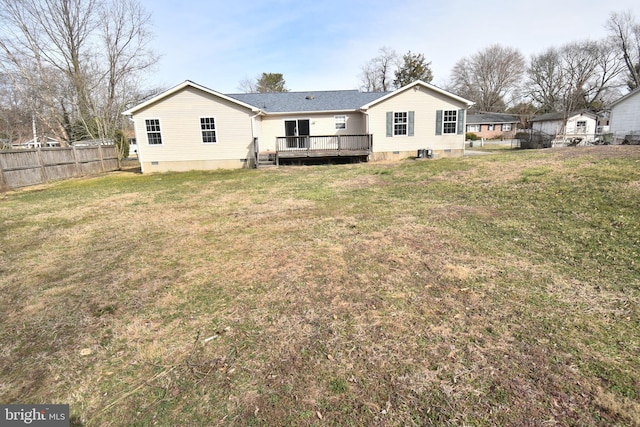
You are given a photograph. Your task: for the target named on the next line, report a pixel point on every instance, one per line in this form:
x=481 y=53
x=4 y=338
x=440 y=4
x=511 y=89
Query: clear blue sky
x=322 y=45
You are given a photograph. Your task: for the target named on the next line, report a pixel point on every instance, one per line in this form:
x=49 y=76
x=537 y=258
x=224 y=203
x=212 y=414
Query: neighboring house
x=193 y=127
x=492 y=125
x=44 y=142
x=624 y=120
x=579 y=124
x=92 y=142
x=133 y=147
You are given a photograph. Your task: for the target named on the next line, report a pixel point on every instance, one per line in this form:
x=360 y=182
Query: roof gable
x=418 y=83
x=178 y=88
x=625 y=97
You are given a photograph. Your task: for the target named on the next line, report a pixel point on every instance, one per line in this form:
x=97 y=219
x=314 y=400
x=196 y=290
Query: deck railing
x=331 y=144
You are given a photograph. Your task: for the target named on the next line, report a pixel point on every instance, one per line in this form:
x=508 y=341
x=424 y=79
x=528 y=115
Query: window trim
x=337 y=123
x=149 y=132
x=450 y=131
x=473 y=128
x=214 y=130
x=491 y=127
x=579 y=128
x=507 y=127
x=397 y=123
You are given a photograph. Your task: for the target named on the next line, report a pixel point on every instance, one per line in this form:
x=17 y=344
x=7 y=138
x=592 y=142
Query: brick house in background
x=493 y=125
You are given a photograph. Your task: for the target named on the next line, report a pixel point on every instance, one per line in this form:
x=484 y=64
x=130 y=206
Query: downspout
x=253 y=136
x=367 y=131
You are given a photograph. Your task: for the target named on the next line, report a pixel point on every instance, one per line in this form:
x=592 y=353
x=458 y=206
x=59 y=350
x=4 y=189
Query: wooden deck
x=291 y=147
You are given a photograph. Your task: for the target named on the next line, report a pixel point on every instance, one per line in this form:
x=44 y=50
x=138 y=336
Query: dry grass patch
x=481 y=291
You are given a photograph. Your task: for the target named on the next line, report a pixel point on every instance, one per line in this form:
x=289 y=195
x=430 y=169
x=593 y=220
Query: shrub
x=470 y=136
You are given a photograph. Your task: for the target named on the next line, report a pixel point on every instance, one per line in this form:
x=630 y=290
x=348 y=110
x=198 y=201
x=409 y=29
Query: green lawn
x=501 y=289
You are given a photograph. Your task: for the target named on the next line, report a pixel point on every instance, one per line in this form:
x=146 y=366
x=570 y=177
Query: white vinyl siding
x=625 y=115
x=320 y=124
x=182 y=139
x=425 y=104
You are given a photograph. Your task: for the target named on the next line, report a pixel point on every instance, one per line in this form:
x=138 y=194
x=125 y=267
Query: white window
x=506 y=127
x=341 y=122
x=581 y=126
x=400 y=122
x=208 y=127
x=473 y=128
x=449 y=121
x=154 y=136
x=491 y=127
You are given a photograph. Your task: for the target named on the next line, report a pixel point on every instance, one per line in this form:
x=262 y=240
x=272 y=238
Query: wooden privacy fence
x=21 y=168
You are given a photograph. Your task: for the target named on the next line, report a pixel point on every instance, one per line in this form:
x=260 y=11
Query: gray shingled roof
x=490 y=118
x=289 y=102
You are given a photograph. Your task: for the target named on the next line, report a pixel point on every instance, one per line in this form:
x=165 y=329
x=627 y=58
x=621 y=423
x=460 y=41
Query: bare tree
x=78 y=60
x=579 y=75
x=247 y=85
x=124 y=33
x=546 y=80
x=489 y=77
x=624 y=31
x=377 y=74
x=15 y=117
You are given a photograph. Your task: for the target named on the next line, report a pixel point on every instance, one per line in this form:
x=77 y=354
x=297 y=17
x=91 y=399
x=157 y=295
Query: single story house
x=493 y=125
x=624 y=121
x=577 y=124
x=193 y=127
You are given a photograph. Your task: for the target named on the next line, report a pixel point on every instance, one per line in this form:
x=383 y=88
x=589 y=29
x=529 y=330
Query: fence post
x=101 y=158
x=75 y=159
x=43 y=169
x=3 y=183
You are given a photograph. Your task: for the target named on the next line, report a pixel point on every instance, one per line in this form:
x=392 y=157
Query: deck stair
x=267 y=159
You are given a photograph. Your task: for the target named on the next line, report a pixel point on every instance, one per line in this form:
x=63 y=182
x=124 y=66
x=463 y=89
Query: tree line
x=584 y=74
x=70 y=67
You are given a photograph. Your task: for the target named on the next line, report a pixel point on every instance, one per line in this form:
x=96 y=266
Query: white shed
x=625 y=117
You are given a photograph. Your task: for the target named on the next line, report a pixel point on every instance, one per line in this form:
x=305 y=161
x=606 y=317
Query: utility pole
x=33 y=127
